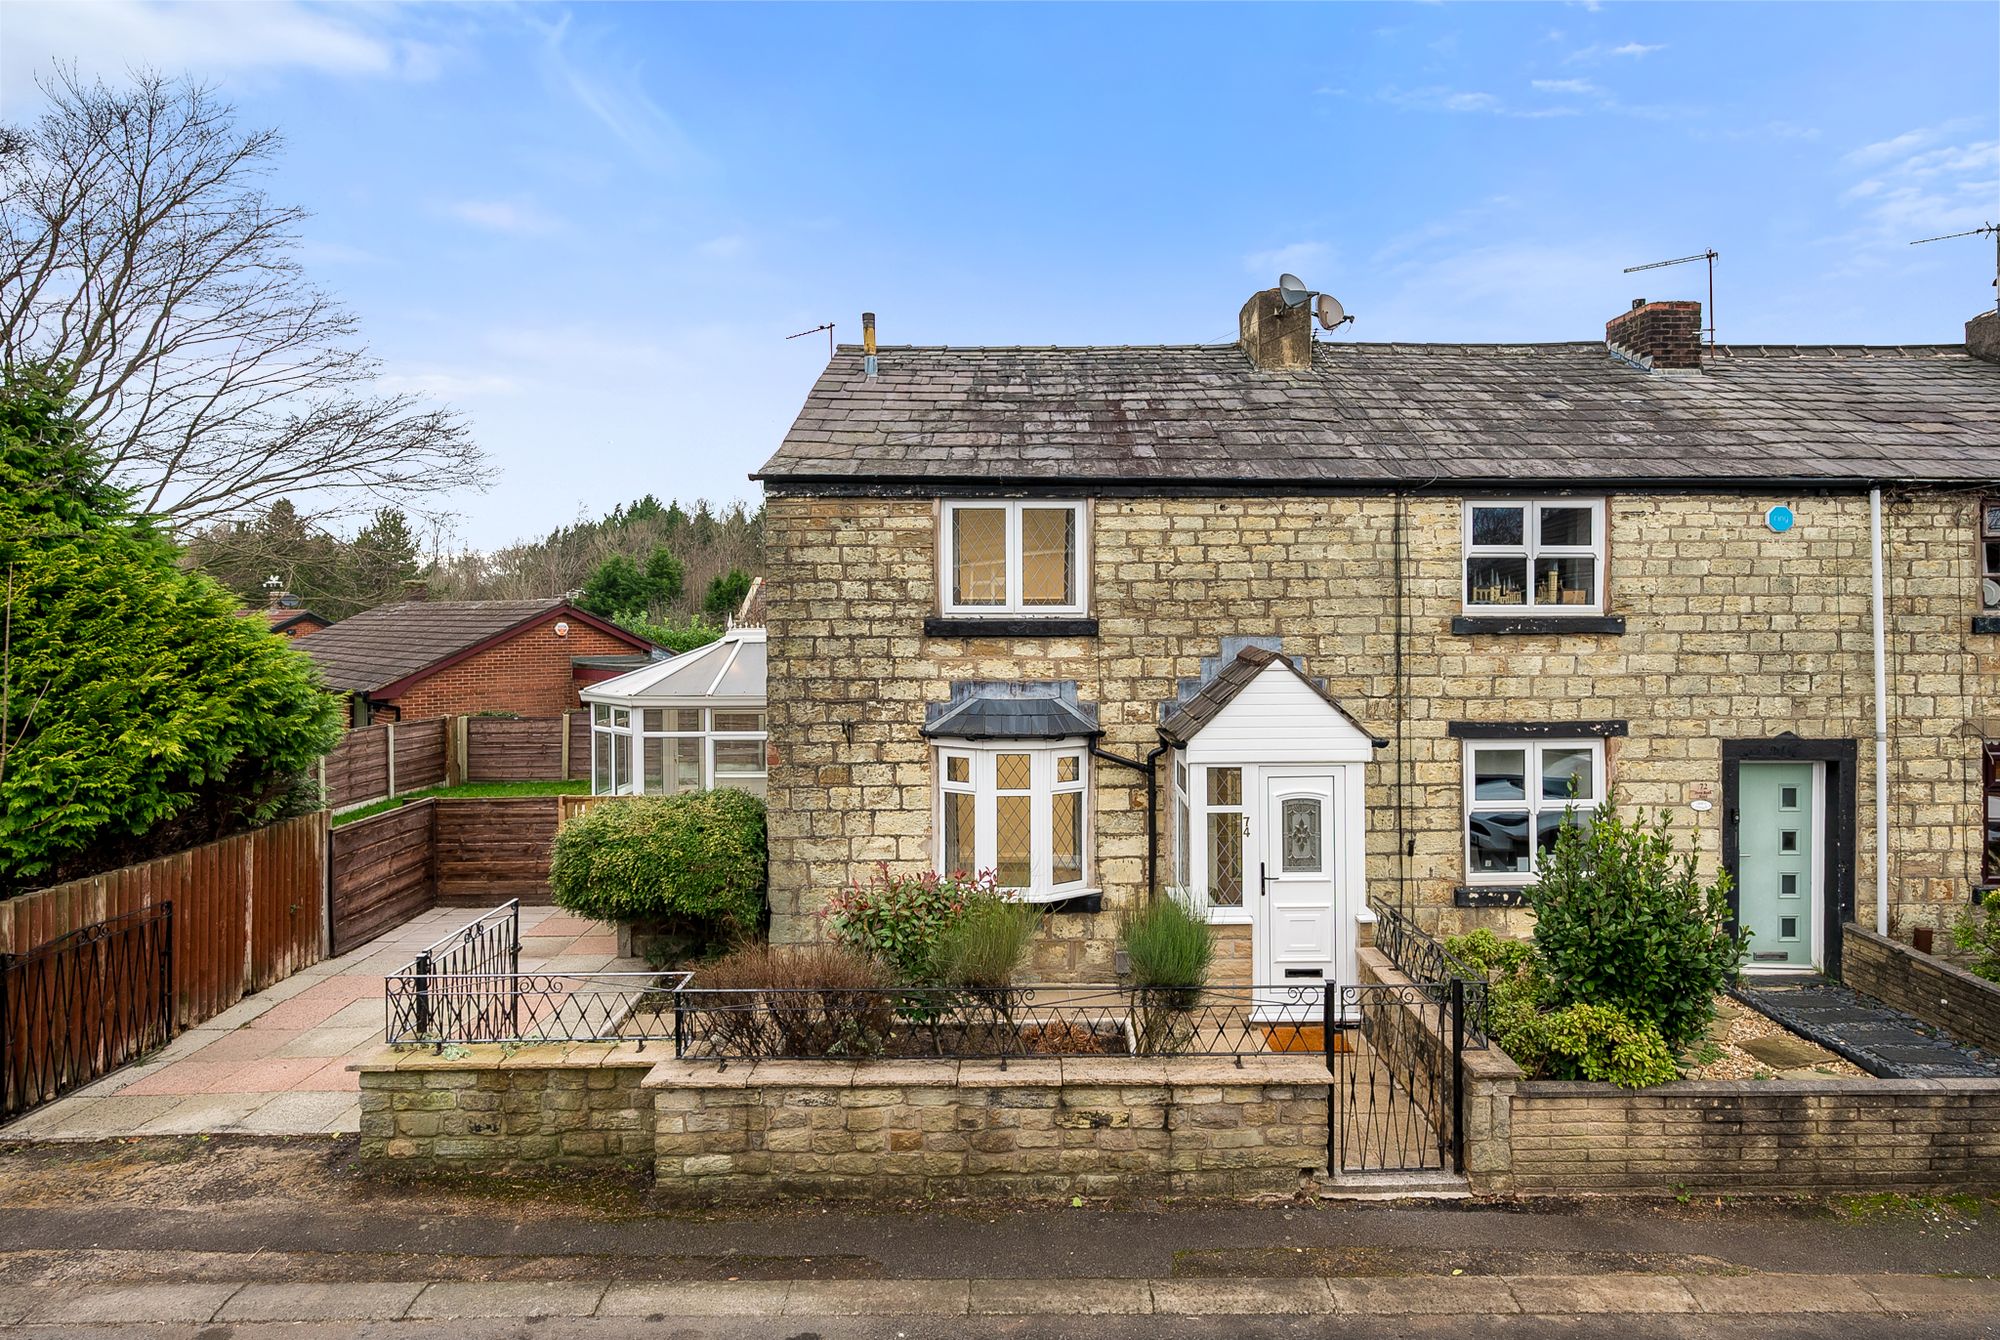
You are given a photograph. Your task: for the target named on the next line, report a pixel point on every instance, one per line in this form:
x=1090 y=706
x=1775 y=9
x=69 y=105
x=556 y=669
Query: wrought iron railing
x=488 y=945
x=1424 y=960
x=84 y=1004
x=444 y=1009
x=1396 y=1055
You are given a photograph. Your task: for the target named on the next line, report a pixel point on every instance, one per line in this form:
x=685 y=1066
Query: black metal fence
x=464 y=987
x=1423 y=958
x=1396 y=1051
x=78 y=1007
x=440 y=1010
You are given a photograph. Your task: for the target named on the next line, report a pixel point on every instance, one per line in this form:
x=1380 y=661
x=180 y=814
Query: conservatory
x=690 y=723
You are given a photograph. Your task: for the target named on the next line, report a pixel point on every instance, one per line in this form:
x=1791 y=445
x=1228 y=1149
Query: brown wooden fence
x=394 y=758
x=382 y=872
x=249 y=911
x=490 y=849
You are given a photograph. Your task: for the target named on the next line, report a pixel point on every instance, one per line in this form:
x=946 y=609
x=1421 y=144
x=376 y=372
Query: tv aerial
x=1982 y=230
x=1294 y=294
x=828 y=328
x=1711 y=256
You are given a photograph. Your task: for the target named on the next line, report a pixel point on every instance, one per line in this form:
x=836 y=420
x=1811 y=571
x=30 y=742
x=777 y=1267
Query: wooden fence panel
x=382 y=873
x=357 y=771
x=494 y=848
x=420 y=754
x=579 y=746
x=248 y=911
x=506 y=749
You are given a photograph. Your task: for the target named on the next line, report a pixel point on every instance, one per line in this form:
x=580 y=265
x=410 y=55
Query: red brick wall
x=529 y=673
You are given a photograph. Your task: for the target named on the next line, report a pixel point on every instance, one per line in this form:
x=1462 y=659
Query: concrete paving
x=276 y=1063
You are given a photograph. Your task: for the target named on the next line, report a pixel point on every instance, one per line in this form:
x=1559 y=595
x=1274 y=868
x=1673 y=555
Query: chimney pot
x=1637 y=303
x=1660 y=336
x=274 y=597
x=868 y=364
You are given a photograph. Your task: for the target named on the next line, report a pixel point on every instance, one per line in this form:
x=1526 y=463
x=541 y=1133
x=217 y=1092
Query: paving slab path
x=1878 y=1037
x=275 y=1063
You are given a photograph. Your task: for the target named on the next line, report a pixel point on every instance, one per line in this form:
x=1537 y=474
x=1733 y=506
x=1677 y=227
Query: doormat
x=1303 y=1038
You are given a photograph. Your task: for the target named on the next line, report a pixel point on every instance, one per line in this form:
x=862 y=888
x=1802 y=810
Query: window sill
x=1986 y=623
x=1229 y=916
x=1528 y=625
x=1066 y=904
x=1011 y=625
x=1489 y=895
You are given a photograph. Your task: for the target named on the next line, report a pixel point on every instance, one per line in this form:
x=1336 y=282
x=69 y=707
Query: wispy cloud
x=446 y=383
x=1911 y=190
x=1601 y=51
x=110 y=37
x=727 y=247
x=1436 y=98
x=1578 y=86
x=518 y=218
x=614 y=95
x=1291 y=258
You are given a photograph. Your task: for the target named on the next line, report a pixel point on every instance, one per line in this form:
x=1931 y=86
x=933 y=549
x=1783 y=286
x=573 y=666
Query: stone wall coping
x=492 y=1056
x=1093 y=1072
x=1481 y=1064
x=1734 y=1088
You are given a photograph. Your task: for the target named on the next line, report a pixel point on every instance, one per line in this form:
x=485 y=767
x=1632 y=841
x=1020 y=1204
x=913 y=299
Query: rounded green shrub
x=696 y=859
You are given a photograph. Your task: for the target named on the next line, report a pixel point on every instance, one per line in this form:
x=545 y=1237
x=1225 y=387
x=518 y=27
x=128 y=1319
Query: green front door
x=1776 y=864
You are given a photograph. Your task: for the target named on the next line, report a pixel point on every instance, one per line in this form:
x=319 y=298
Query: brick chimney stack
x=1276 y=338
x=1661 y=336
x=1982 y=336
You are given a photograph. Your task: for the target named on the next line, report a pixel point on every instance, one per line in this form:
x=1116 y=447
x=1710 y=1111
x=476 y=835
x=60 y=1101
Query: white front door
x=1300 y=859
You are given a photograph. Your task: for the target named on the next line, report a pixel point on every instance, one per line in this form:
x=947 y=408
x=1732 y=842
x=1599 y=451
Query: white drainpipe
x=1881 y=716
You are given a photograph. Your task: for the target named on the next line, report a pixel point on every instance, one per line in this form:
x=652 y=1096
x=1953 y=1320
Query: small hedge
x=696 y=861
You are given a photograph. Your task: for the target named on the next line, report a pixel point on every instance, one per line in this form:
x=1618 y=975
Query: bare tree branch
x=139 y=254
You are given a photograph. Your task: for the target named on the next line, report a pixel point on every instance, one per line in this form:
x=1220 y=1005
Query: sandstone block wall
x=538 y=1110
x=1741 y=1135
x=1732 y=632
x=1928 y=987
x=1033 y=1128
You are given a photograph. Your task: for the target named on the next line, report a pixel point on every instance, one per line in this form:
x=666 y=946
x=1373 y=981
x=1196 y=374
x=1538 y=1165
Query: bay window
x=1539 y=556
x=1013 y=558
x=1516 y=794
x=1016 y=809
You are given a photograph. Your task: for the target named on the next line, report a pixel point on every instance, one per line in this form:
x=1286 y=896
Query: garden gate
x=1394 y=1050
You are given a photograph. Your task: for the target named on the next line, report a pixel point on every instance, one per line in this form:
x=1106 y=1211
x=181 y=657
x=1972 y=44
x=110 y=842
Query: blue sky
x=591 y=226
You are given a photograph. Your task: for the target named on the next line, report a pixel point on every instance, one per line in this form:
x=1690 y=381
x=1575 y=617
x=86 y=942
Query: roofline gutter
x=1150 y=766
x=918 y=486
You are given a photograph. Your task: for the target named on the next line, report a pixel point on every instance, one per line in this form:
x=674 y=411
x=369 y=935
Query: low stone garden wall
x=750 y=1131
x=1949 y=997
x=1549 y=1136
x=1091 y=1126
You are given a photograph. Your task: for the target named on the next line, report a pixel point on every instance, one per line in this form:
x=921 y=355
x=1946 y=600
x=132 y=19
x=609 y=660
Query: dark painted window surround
x=1986 y=623
x=1008 y=626
x=1490 y=895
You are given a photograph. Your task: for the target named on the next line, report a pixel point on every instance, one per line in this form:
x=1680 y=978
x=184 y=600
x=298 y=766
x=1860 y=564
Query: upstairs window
x=1540 y=557
x=1516 y=794
x=1018 y=810
x=1013 y=558
x=1991 y=798
x=1989 y=556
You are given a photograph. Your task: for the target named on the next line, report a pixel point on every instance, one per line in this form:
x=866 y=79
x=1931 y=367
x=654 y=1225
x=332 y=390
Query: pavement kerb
x=1545 y=1295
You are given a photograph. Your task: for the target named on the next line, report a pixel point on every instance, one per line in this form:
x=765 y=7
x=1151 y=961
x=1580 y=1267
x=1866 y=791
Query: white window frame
x=1989 y=570
x=1012 y=606
x=982 y=756
x=1199 y=810
x=606 y=723
x=1532 y=549
x=1532 y=802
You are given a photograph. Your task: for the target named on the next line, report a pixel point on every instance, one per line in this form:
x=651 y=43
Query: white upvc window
x=1211 y=830
x=1516 y=793
x=1018 y=809
x=1013 y=558
x=659 y=751
x=1540 y=555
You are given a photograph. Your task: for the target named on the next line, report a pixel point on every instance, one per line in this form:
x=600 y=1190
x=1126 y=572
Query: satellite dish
x=1331 y=313
x=1292 y=291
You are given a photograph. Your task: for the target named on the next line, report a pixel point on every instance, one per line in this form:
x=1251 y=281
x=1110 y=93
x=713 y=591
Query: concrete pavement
x=275 y=1063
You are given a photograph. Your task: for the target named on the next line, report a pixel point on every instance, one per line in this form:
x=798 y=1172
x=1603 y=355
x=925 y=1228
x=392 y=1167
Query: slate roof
x=1011 y=710
x=1185 y=722
x=380 y=646
x=1390 y=414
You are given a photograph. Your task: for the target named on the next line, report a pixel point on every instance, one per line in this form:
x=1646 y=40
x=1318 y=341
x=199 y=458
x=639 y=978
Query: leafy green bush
x=141 y=715
x=1484 y=952
x=694 y=862
x=1594 y=1042
x=902 y=919
x=1978 y=934
x=1621 y=920
x=983 y=948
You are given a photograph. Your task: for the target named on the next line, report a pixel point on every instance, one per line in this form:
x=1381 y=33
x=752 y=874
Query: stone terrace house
x=430 y=658
x=1297 y=626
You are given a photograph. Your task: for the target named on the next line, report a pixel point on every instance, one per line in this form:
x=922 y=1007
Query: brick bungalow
x=1297 y=625
x=431 y=658
x=284 y=615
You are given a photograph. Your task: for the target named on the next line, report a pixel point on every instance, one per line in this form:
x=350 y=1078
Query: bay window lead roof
x=1389 y=415
x=1011 y=710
